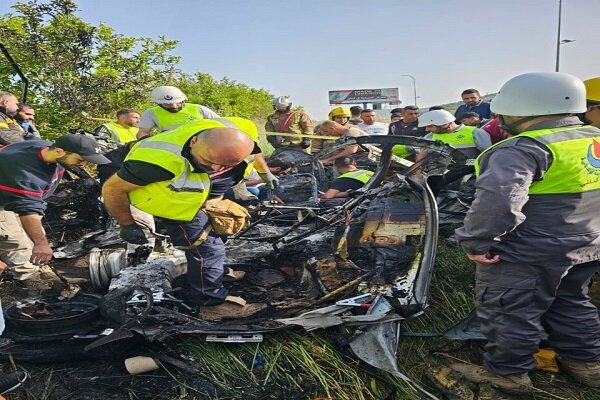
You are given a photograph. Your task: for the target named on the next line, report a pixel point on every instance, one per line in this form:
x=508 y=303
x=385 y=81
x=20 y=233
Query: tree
x=227 y=97
x=74 y=66
x=77 y=69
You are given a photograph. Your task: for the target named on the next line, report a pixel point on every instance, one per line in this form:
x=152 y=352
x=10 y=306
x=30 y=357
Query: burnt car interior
x=364 y=263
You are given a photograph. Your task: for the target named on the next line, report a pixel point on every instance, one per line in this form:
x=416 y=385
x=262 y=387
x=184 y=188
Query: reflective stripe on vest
x=181 y=197
x=575 y=164
x=120 y=134
x=7 y=121
x=167 y=121
x=460 y=139
x=360 y=175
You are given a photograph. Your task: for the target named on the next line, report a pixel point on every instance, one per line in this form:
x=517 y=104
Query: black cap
x=83 y=145
x=396 y=111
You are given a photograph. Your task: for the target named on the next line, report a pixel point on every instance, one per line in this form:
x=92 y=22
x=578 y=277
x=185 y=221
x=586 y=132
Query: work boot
x=232 y=276
x=12 y=380
x=587 y=373
x=232 y=308
x=519 y=383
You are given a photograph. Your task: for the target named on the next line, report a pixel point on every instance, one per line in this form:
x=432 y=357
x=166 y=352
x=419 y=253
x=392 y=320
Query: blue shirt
x=26 y=180
x=482 y=108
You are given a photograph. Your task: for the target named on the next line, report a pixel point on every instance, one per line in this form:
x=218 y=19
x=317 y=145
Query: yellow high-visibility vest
x=167 y=121
x=119 y=134
x=575 y=164
x=360 y=175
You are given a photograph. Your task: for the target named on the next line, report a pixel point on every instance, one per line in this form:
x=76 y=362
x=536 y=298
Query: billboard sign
x=357 y=96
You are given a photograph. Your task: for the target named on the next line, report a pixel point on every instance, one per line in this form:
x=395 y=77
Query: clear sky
x=304 y=48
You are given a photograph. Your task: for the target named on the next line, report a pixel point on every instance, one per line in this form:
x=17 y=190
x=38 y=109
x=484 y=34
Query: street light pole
x=414 y=86
x=558 y=37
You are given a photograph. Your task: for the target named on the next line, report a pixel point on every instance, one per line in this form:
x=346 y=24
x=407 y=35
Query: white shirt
x=378 y=128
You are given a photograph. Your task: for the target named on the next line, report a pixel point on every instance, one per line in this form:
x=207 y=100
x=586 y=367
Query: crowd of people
x=533 y=228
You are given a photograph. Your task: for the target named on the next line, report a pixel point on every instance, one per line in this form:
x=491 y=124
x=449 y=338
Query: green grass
x=309 y=363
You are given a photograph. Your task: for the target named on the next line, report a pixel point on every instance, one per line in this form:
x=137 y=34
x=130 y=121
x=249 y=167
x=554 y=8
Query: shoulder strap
x=283 y=126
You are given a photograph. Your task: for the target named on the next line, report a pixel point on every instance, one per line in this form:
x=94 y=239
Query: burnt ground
x=94 y=380
x=74 y=376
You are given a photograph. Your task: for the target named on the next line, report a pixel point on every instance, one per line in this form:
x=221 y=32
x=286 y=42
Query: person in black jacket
x=409 y=124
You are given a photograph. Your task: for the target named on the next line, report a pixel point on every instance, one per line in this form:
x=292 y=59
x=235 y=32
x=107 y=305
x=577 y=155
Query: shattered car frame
x=366 y=263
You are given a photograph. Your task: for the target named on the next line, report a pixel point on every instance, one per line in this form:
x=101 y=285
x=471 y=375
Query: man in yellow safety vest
x=124 y=129
x=171 y=111
x=10 y=130
x=172 y=176
x=534 y=232
x=466 y=139
x=351 y=178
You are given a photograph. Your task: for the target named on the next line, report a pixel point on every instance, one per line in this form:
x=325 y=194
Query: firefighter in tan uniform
x=284 y=120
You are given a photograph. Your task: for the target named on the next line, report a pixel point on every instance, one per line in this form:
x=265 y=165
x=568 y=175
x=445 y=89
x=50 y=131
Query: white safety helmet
x=282 y=103
x=436 y=117
x=540 y=93
x=168 y=95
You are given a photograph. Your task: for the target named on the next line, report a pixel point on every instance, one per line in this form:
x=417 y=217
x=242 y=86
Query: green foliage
x=226 y=97
x=73 y=66
x=77 y=69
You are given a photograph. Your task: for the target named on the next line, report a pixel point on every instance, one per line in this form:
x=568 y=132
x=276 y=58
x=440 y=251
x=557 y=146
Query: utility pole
x=558 y=37
x=560 y=41
x=414 y=86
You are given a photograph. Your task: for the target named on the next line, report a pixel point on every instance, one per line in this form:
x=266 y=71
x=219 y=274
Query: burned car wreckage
x=364 y=263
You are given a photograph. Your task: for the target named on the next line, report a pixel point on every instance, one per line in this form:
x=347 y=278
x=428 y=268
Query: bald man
x=332 y=128
x=171 y=176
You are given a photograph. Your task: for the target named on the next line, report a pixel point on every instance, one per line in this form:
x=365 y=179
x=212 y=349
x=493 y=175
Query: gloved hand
x=269 y=179
x=241 y=192
x=306 y=143
x=133 y=234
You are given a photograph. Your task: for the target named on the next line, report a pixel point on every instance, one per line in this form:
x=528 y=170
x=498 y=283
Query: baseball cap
x=396 y=111
x=83 y=145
